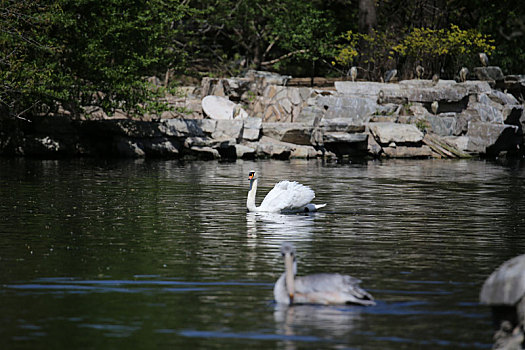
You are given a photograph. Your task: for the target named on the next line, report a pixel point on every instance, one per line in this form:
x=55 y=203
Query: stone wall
x=415 y=118
x=454 y=119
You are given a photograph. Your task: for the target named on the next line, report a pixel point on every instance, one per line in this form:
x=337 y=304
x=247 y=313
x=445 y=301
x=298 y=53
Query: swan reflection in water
x=283 y=226
x=316 y=323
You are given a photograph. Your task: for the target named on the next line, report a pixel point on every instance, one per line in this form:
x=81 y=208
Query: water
x=99 y=254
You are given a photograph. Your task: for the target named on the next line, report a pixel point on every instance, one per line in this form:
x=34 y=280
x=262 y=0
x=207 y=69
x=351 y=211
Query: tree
x=227 y=30
x=258 y=33
x=505 y=22
x=305 y=31
x=367 y=16
x=75 y=53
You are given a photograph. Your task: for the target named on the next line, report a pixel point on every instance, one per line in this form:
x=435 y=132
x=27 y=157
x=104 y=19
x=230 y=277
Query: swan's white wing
x=330 y=288
x=287 y=195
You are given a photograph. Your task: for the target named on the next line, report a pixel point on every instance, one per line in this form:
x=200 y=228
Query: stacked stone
x=280 y=103
x=415 y=118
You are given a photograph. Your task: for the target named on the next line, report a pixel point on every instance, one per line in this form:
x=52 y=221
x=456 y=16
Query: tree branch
x=283 y=57
x=270 y=47
x=19 y=115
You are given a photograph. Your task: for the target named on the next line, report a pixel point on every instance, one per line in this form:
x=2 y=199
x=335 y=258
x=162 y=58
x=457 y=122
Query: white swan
x=286 y=196
x=321 y=288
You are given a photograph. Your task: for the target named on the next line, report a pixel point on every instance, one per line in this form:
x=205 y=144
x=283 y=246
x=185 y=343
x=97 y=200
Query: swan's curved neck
x=250 y=201
x=290 y=268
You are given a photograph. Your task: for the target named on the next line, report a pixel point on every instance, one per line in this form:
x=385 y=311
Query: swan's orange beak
x=251 y=176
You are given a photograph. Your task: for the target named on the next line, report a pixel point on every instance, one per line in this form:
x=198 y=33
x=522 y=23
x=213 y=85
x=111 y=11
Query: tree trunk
x=367 y=23
x=367 y=16
x=257 y=56
x=312 y=74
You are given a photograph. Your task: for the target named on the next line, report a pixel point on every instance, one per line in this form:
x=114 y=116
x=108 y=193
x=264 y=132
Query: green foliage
x=304 y=29
x=223 y=33
x=85 y=52
x=347 y=52
x=435 y=47
x=505 y=21
x=422 y=124
x=370 y=50
x=230 y=36
x=425 y=44
x=74 y=53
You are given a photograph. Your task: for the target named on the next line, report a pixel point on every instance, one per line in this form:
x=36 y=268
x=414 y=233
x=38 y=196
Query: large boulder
x=514 y=84
x=344 y=137
x=267 y=78
x=486 y=112
x=187 y=127
x=295 y=133
x=245 y=152
x=225 y=129
x=232 y=88
x=220 y=108
x=364 y=89
x=305 y=152
x=271 y=148
x=408 y=152
x=251 y=129
x=491 y=73
x=310 y=115
x=341 y=125
x=414 y=90
x=161 y=147
x=491 y=139
x=354 y=109
x=387 y=133
x=458 y=142
x=502 y=98
x=205 y=153
x=443 y=124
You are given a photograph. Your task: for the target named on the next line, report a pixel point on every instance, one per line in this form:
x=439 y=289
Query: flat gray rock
x=386 y=132
x=414 y=90
x=296 y=133
x=408 y=152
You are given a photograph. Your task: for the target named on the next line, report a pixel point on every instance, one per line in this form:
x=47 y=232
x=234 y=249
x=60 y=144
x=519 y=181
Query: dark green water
x=158 y=254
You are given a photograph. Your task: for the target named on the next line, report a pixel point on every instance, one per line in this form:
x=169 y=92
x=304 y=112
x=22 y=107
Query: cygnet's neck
x=250 y=201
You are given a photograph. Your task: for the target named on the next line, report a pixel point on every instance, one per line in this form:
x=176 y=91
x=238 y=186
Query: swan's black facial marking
x=251 y=175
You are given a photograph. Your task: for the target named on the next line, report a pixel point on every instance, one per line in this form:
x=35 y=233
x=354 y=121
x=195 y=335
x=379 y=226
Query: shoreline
x=263 y=117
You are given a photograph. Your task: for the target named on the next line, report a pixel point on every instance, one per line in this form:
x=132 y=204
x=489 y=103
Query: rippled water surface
x=159 y=254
